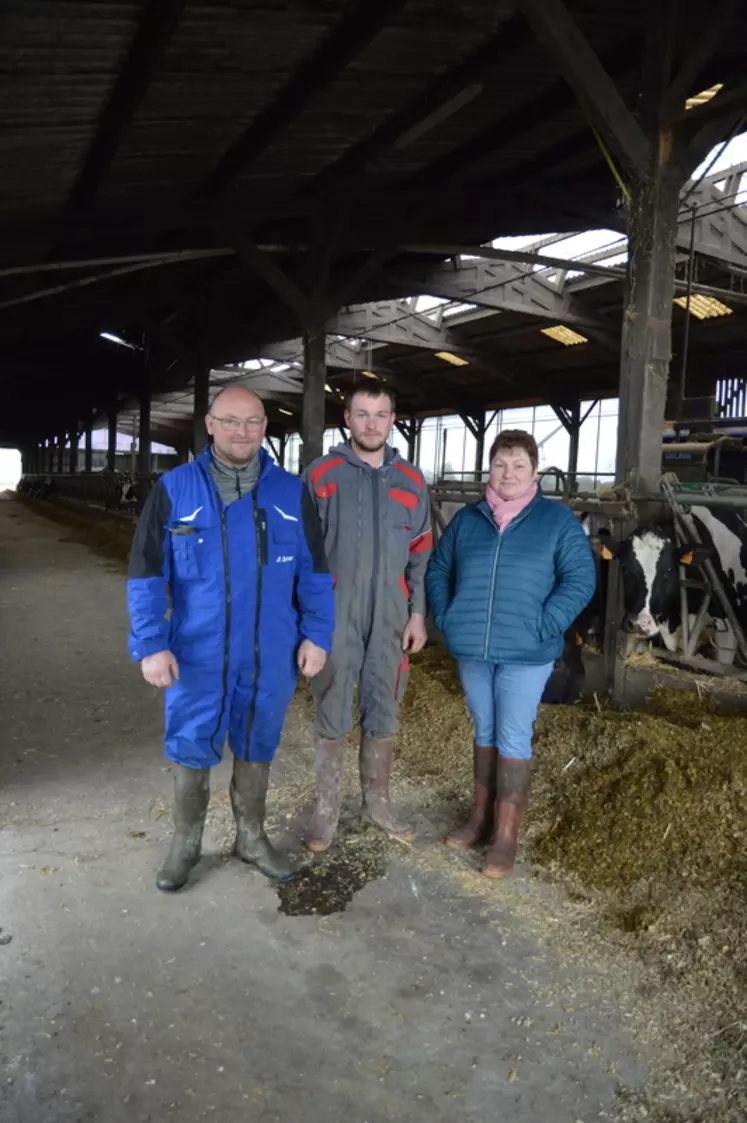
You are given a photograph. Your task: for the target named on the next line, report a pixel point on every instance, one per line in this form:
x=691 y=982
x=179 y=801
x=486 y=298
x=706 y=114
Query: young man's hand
x=415 y=635
x=310 y=658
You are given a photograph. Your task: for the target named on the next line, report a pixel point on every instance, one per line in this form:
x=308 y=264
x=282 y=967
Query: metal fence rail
x=114 y=491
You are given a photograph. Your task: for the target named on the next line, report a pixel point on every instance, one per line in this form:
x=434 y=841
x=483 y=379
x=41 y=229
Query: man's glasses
x=233 y=424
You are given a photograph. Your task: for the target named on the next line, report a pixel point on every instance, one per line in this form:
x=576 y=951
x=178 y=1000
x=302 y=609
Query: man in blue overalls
x=236 y=542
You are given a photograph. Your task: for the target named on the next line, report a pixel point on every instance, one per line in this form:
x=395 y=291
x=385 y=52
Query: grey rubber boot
x=328 y=770
x=191 y=798
x=375 y=771
x=249 y=798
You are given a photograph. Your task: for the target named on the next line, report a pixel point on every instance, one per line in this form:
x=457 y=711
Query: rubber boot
x=375 y=771
x=511 y=803
x=249 y=799
x=477 y=827
x=191 y=798
x=328 y=769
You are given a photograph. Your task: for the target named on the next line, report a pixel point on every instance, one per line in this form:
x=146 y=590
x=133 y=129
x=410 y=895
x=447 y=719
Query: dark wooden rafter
x=352 y=34
x=427 y=109
x=597 y=94
x=718 y=120
x=157 y=25
x=264 y=265
x=710 y=36
x=558 y=98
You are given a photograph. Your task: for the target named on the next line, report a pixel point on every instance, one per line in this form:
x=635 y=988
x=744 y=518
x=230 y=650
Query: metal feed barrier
x=621 y=512
x=116 y=492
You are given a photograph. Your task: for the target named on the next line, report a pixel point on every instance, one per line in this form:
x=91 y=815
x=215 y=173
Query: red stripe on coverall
x=325 y=491
x=324 y=467
x=406 y=498
x=413 y=473
x=403 y=586
x=404 y=667
x=422 y=542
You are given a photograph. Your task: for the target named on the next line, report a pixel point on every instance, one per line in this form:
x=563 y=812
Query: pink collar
x=504 y=510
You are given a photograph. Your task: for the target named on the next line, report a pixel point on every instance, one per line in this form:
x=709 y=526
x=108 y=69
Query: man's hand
x=160 y=669
x=310 y=658
x=414 y=636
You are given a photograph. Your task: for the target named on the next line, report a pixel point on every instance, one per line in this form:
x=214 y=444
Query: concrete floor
x=120 y=1003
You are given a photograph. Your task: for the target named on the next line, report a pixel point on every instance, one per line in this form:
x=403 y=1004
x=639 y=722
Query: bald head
x=235 y=400
x=237 y=423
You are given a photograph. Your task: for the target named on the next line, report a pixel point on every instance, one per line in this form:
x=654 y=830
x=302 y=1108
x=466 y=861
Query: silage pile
x=643 y=813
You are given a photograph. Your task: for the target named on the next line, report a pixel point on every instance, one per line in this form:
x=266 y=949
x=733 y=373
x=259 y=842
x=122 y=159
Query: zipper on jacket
x=514 y=522
x=490 y=599
x=375 y=477
x=227 y=637
x=260 y=538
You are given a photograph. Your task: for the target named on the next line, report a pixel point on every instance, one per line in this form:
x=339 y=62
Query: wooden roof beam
x=440 y=99
x=597 y=94
x=709 y=37
x=720 y=119
x=157 y=25
x=351 y=35
x=548 y=105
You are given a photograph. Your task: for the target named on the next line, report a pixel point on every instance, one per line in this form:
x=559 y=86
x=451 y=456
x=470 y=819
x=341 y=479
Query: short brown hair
x=380 y=390
x=516 y=438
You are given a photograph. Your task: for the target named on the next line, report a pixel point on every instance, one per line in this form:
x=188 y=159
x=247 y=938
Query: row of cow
x=650 y=562
x=116 y=491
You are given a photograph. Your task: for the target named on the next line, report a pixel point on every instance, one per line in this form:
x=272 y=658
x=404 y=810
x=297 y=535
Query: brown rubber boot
x=191 y=798
x=328 y=769
x=511 y=803
x=375 y=771
x=477 y=827
x=248 y=791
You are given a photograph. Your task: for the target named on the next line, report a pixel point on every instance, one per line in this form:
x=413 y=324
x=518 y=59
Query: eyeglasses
x=233 y=424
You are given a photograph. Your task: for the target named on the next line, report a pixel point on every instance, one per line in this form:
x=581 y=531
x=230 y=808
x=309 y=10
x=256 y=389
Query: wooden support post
x=410 y=428
x=74 y=437
x=314 y=379
x=89 y=445
x=283 y=445
x=477 y=425
x=647 y=324
x=111 y=448
x=574 y=432
x=61 y=442
x=416 y=424
x=144 y=458
x=481 y=427
x=201 y=406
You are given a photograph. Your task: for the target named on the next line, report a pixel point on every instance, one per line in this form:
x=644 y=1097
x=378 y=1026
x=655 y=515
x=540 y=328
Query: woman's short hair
x=516 y=439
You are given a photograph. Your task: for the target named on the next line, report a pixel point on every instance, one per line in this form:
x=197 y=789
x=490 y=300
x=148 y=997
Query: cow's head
x=650 y=560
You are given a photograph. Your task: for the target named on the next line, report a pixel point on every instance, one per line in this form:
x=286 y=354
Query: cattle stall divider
x=680 y=500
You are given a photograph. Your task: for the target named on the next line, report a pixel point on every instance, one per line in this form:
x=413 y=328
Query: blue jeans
x=503 y=700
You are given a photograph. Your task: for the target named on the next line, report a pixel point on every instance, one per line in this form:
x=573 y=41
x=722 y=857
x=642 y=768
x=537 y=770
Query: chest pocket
x=401 y=508
x=283 y=540
x=188 y=553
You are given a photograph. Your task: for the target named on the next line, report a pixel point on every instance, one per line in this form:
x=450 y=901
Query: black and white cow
x=650 y=560
x=566 y=683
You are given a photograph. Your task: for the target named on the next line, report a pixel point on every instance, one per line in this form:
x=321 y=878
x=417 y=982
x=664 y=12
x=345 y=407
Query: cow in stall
x=566 y=683
x=650 y=560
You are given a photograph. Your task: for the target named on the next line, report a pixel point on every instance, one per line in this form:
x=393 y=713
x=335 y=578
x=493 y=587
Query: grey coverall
x=377 y=536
